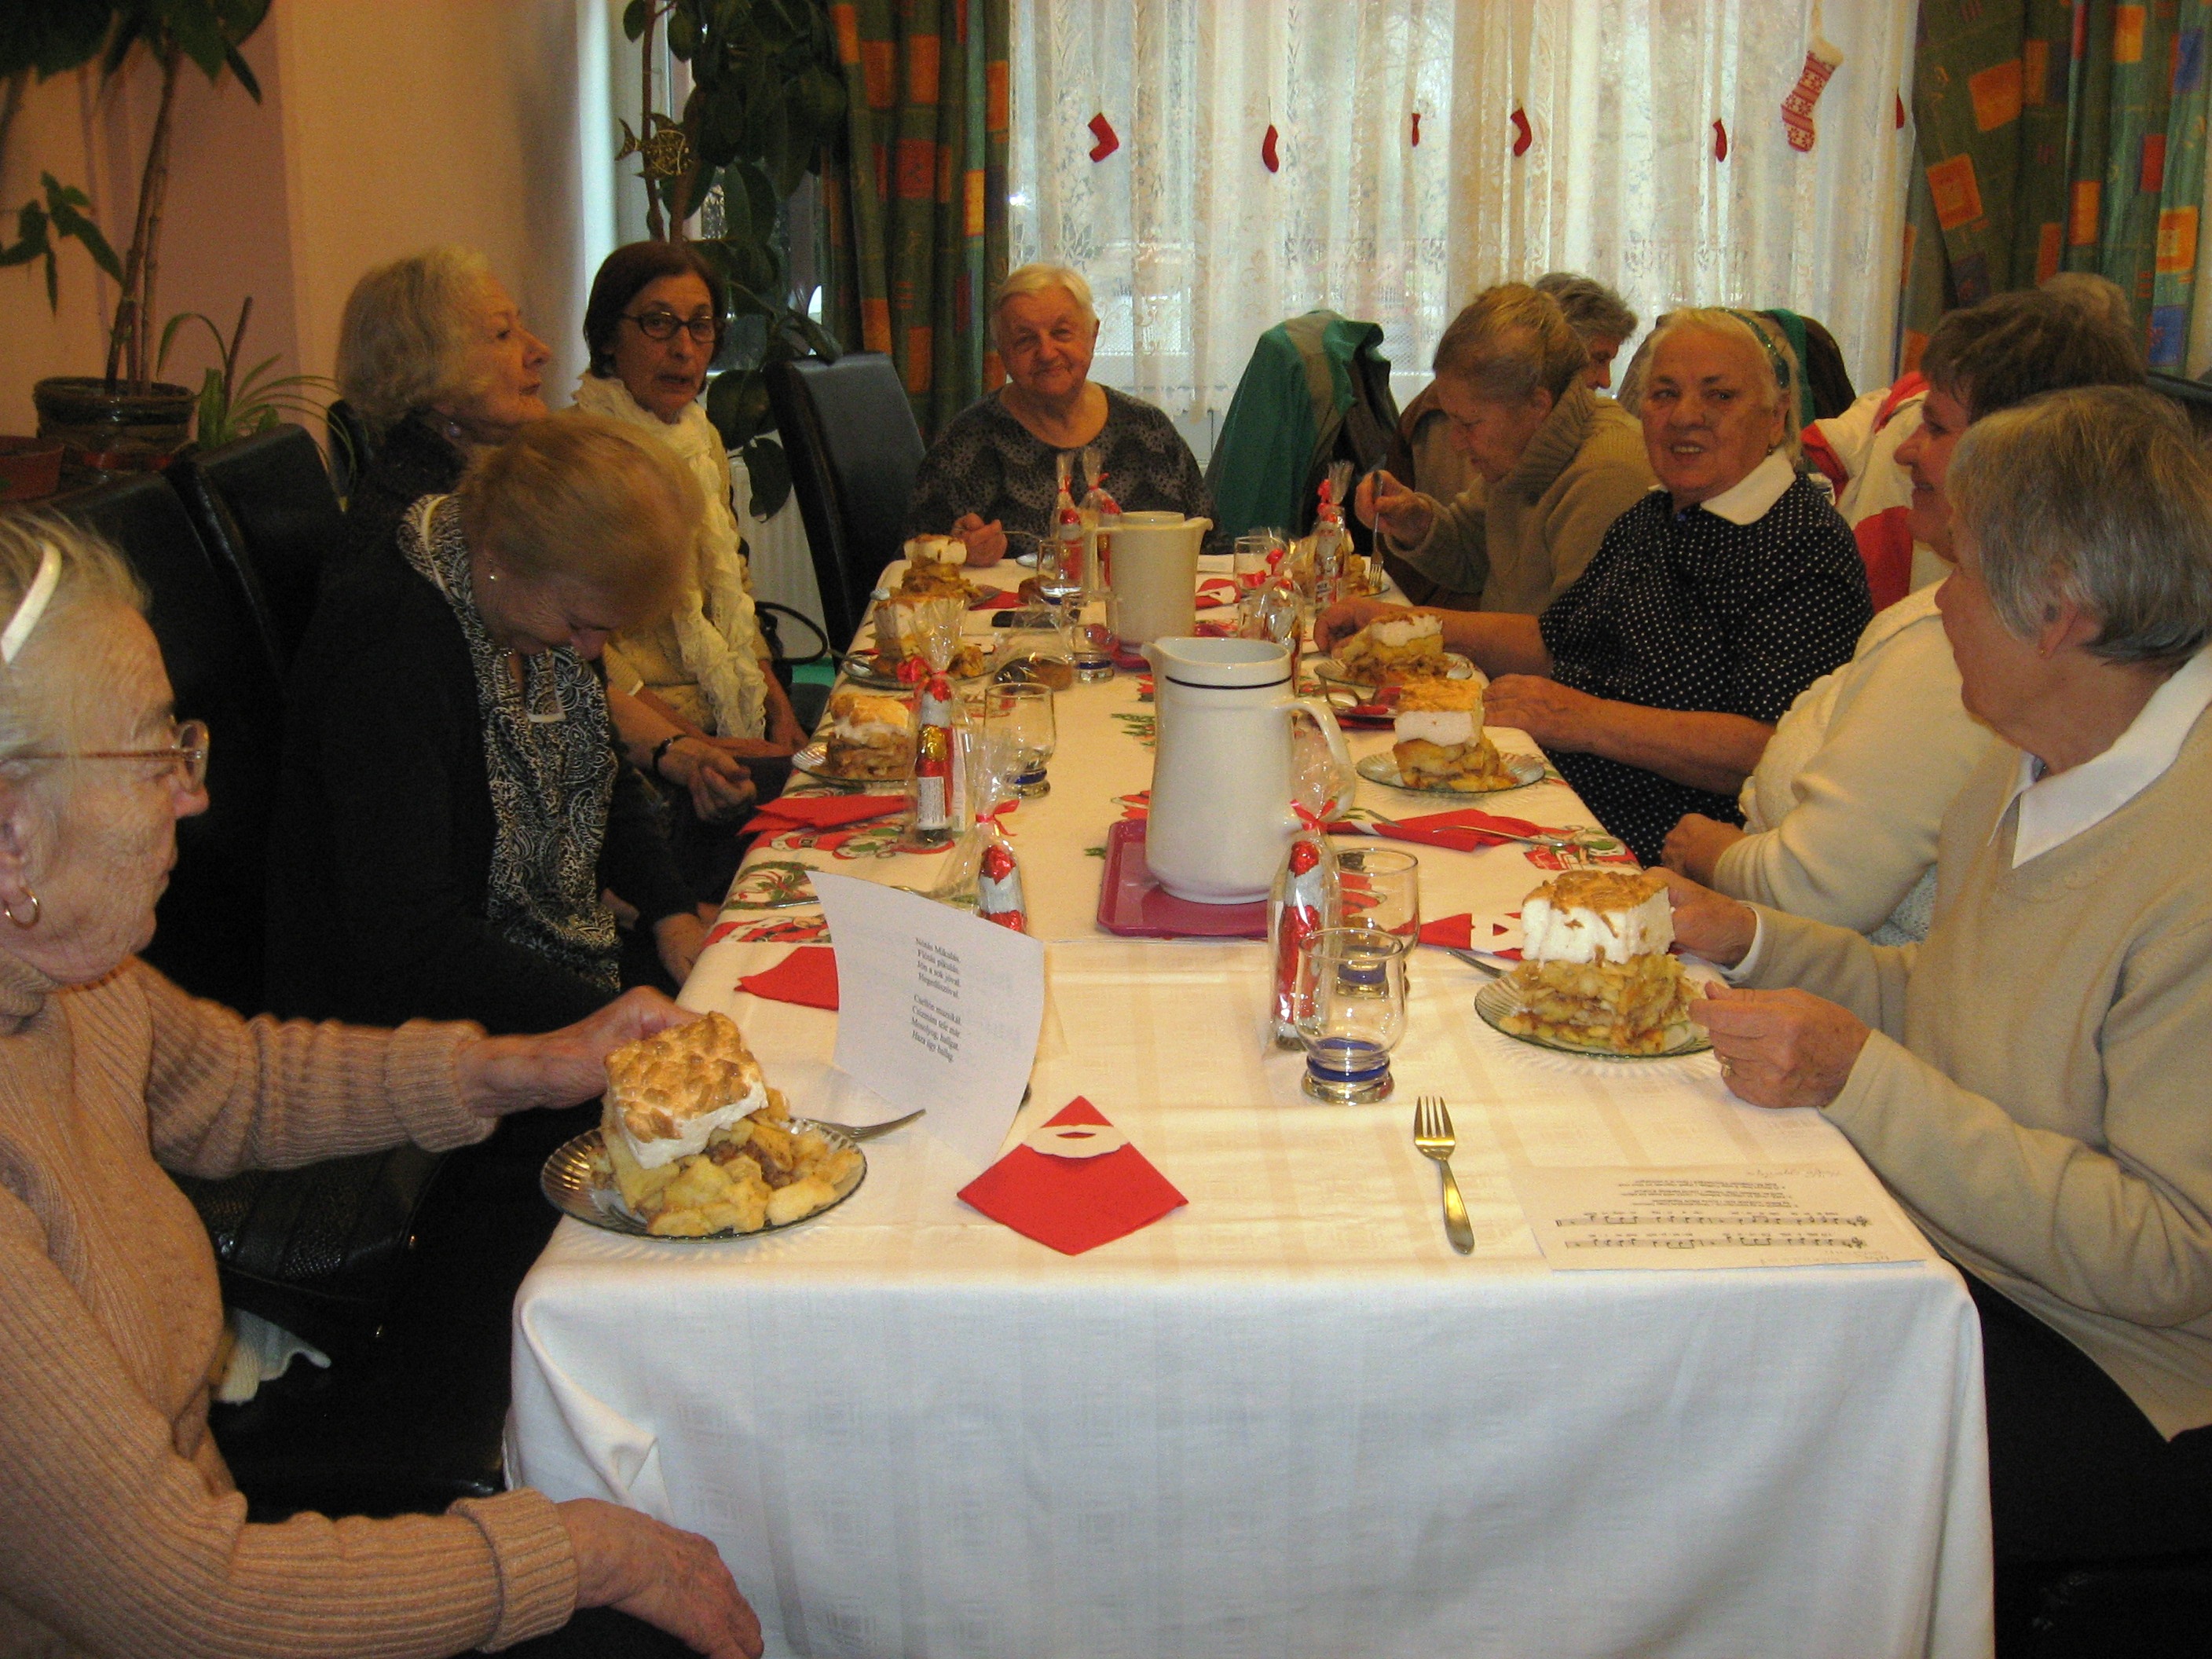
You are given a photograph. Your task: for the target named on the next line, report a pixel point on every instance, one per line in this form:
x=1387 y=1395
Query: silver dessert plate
x=578 y=1180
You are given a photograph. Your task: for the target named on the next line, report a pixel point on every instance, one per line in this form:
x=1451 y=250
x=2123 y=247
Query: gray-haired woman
x=992 y=470
x=434 y=355
x=1557 y=464
x=121 y=1532
x=2030 y=1078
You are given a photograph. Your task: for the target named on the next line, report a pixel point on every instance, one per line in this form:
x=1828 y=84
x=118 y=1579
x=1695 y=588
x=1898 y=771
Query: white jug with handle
x=1221 y=813
x=1154 y=562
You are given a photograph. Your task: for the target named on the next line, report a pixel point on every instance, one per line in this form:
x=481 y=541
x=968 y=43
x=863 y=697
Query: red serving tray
x=1132 y=903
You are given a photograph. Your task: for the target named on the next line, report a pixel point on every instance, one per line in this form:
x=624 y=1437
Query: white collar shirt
x=1750 y=497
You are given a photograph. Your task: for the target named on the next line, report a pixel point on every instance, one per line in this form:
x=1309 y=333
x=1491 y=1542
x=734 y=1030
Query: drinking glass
x=1354 y=1012
x=1382 y=889
x=1025 y=711
x=1090 y=640
x=1251 y=558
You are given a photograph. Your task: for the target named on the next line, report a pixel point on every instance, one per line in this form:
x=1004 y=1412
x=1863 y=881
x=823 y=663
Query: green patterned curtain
x=916 y=197
x=2065 y=135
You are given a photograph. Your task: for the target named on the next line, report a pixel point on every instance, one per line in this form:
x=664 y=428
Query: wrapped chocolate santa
x=1306 y=897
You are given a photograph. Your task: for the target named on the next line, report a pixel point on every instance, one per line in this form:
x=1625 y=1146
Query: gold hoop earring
x=8 y=910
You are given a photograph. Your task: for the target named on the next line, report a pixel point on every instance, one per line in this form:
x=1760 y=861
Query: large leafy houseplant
x=766 y=97
x=45 y=39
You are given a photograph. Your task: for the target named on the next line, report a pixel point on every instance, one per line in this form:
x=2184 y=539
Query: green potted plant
x=766 y=96
x=125 y=420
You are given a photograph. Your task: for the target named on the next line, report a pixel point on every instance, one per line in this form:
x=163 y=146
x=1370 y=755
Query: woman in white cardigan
x=1842 y=813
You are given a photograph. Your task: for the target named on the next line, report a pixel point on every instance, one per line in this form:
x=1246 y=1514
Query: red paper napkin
x=822 y=812
x=808 y=976
x=1073 y=1205
x=1217 y=590
x=1458 y=933
x=1005 y=599
x=1462 y=831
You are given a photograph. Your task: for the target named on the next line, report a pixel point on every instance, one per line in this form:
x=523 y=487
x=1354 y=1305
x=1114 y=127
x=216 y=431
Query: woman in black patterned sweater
x=992 y=471
x=1654 y=682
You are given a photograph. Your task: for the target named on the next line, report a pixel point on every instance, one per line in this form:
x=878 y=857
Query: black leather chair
x=209 y=922
x=854 y=450
x=351 y=448
x=265 y=510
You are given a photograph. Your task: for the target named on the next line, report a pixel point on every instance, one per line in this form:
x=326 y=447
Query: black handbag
x=765 y=612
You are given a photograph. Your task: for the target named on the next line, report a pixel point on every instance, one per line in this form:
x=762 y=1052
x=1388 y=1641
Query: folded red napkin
x=808 y=976
x=822 y=812
x=1073 y=1205
x=1218 y=590
x=1462 y=831
x=1454 y=933
x=1005 y=599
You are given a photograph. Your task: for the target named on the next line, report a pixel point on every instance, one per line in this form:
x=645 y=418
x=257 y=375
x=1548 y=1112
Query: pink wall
x=382 y=128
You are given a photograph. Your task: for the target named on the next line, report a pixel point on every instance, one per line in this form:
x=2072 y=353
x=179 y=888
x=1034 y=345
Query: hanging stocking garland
x=1108 y=140
x=1270 y=157
x=1899 y=99
x=1720 y=140
x=1524 y=134
x=1417 y=128
x=1822 y=59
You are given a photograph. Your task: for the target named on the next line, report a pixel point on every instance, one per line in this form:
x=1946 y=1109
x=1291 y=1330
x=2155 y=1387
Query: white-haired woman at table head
x=2030 y=1080
x=1556 y=464
x=992 y=471
x=123 y=1533
x=1653 y=682
x=1837 y=829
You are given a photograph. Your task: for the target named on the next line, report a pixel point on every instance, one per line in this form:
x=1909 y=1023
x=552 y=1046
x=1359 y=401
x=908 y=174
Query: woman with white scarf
x=695 y=697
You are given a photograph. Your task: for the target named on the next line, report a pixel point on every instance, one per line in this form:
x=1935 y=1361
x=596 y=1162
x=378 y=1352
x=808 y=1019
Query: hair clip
x=35 y=600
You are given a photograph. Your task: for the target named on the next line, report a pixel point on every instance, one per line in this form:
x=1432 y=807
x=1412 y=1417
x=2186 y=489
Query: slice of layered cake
x=1441 y=742
x=869 y=736
x=1595 y=970
x=1409 y=644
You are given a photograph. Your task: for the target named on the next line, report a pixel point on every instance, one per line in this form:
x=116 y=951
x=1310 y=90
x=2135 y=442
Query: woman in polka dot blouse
x=1654 y=682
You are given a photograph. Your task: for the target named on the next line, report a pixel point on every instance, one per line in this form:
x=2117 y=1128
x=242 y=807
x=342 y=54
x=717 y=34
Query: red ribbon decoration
x=1524 y=134
x=1417 y=128
x=912 y=671
x=1108 y=140
x=1270 y=157
x=997 y=814
x=1720 y=141
x=1312 y=821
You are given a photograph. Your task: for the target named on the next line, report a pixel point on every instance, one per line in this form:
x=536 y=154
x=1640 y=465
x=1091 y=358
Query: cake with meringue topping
x=870 y=735
x=1441 y=744
x=1595 y=969
x=1393 y=648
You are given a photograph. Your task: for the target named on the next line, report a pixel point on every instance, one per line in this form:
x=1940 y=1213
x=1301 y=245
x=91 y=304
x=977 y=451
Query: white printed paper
x=936 y=1008
x=1757 y=1215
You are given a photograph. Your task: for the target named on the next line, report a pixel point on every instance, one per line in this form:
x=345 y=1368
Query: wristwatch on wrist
x=660 y=749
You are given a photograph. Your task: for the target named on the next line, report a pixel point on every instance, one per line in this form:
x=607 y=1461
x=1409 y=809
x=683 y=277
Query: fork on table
x=1432 y=1133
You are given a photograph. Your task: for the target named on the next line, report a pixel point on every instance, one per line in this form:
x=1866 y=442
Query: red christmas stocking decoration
x=1417 y=128
x=1720 y=140
x=1270 y=157
x=1108 y=140
x=1524 y=134
x=1822 y=59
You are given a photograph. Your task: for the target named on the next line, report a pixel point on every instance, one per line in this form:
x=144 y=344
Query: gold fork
x=1432 y=1133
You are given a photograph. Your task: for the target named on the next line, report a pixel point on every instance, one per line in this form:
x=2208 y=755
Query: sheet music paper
x=1757 y=1215
x=936 y=1007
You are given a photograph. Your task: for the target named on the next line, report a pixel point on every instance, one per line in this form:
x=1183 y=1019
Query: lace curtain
x=1194 y=248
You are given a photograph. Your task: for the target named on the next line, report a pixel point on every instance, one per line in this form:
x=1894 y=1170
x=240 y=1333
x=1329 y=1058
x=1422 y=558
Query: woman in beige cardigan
x=1558 y=463
x=122 y=1533
x=2030 y=1080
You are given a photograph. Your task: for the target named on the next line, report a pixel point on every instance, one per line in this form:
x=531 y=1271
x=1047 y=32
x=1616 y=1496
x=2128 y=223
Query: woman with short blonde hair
x=452 y=806
x=124 y=1532
x=992 y=474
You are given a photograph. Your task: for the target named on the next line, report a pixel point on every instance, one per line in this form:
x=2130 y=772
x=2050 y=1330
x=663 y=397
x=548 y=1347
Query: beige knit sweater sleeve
x=110 y=1538
x=225 y=1094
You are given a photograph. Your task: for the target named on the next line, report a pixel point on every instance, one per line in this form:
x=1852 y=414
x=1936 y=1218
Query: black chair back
x=265 y=510
x=351 y=448
x=209 y=922
x=854 y=450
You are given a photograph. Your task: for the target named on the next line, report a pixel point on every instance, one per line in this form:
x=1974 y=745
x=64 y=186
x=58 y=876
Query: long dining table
x=1287 y=1419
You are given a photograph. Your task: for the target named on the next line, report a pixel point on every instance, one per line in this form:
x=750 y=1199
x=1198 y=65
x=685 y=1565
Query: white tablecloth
x=1287 y=1419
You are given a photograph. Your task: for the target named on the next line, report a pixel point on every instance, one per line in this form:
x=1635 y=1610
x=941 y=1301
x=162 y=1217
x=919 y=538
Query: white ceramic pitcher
x=1154 y=559
x=1221 y=812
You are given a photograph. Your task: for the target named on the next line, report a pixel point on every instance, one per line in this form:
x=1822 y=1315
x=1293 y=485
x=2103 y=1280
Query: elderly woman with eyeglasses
x=2030 y=1078
x=121 y=1532
x=434 y=355
x=696 y=693
x=1653 y=682
x=993 y=473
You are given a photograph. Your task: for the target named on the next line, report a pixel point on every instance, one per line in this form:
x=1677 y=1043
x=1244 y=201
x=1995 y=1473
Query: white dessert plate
x=861 y=668
x=1382 y=769
x=578 y=1180
x=1333 y=672
x=1498 y=999
x=814 y=760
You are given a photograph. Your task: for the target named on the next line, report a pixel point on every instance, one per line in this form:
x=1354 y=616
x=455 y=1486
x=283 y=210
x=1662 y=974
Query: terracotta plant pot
x=30 y=468
x=107 y=431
